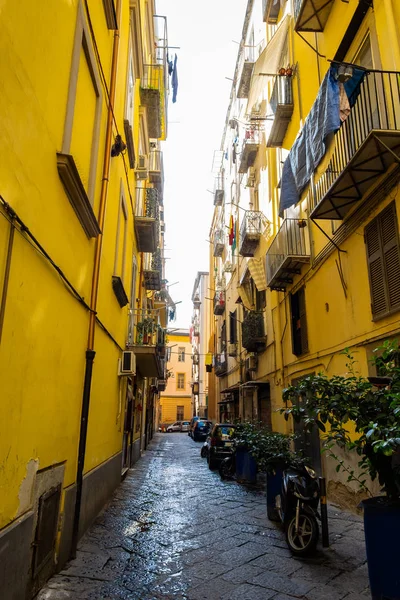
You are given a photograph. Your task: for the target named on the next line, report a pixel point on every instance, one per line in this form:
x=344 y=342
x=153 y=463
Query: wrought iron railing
x=153 y=77
x=253 y=330
x=251 y=223
x=291 y=240
x=219 y=302
x=221 y=363
x=253 y=135
x=219 y=242
x=144 y=327
x=377 y=107
x=147 y=202
x=156 y=161
x=281 y=91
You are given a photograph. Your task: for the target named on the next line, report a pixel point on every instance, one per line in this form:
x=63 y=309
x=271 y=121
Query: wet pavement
x=174 y=530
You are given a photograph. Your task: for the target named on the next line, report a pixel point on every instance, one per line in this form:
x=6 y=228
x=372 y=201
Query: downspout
x=90 y=352
x=7 y=270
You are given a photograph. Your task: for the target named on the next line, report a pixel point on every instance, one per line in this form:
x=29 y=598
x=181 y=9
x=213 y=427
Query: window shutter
x=303 y=321
x=383 y=257
x=391 y=256
x=376 y=269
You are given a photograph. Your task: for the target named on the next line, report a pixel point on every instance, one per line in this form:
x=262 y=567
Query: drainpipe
x=90 y=352
x=7 y=271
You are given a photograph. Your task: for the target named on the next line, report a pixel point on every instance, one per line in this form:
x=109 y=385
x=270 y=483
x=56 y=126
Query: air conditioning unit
x=127 y=363
x=251 y=363
x=232 y=351
x=141 y=167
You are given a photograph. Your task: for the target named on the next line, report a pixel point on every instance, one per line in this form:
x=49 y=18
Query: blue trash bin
x=246 y=466
x=382 y=535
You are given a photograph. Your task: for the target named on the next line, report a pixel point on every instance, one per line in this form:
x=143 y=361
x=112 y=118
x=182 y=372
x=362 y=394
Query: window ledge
x=77 y=194
x=119 y=291
x=129 y=143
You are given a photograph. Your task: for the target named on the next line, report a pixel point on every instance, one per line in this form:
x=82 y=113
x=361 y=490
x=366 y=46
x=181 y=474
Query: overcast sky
x=206 y=33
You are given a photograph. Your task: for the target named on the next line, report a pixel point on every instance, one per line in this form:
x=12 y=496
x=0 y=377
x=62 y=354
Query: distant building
x=175 y=401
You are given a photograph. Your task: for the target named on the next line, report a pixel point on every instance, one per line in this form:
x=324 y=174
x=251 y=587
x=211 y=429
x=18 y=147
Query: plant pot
x=246 y=466
x=382 y=535
x=273 y=488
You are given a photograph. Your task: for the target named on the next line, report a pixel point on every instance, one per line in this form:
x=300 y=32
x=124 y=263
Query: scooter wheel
x=203 y=452
x=226 y=468
x=304 y=541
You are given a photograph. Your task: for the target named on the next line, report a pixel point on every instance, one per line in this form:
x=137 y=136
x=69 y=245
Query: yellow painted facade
x=58 y=220
x=176 y=400
x=317 y=297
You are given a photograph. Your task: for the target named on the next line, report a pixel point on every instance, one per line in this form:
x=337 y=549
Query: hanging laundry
x=344 y=104
x=231 y=230
x=174 y=80
x=170 y=66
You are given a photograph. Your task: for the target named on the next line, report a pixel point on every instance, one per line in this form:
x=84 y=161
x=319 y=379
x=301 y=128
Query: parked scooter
x=297 y=508
x=227 y=466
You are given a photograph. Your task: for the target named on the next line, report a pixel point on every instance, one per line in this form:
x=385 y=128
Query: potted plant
x=372 y=405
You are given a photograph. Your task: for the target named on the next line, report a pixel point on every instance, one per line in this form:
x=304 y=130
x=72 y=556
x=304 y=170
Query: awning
x=267 y=63
x=255 y=383
x=257 y=271
x=232 y=388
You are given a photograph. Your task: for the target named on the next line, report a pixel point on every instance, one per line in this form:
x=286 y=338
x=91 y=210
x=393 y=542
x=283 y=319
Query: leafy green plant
x=270 y=449
x=342 y=405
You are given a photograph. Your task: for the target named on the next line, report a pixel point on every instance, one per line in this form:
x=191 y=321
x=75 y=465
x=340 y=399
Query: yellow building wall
x=42 y=352
x=169 y=406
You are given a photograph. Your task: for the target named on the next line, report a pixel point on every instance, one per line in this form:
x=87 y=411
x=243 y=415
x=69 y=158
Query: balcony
x=146 y=219
x=152 y=270
x=281 y=103
x=311 y=15
x=219 y=302
x=245 y=70
x=367 y=148
x=152 y=96
x=144 y=339
x=253 y=334
x=250 y=232
x=162 y=385
x=270 y=11
x=251 y=143
x=156 y=171
x=218 y=190
x=219 y=242
x=221 y=364
x=287 y=253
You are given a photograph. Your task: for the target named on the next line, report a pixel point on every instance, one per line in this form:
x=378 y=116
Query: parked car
x=220 y=444
x=201 y=430
x=174 y=427
x=191 y=425
x=185 y=425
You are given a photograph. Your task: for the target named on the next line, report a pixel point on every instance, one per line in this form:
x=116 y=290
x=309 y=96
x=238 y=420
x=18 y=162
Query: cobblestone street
x=175 y=530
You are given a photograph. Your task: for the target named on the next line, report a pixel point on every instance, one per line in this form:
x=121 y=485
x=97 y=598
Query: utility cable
x=11 y=216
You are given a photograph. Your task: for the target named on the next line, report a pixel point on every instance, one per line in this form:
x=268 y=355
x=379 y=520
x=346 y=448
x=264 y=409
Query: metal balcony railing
x=281 y=103
x=219 y=190
x=221 y=364
x=253 y=334
x=219 y=302
x=290 y=248
x=152 y=270
x=251 y=142
x=366 y=145
x=147 y=204
x=270 y=11
x=156 y=166
x=250 y=232
x=219 y=242
x=245 y=71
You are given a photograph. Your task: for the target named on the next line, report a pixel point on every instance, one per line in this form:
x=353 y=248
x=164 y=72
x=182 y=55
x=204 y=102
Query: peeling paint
x=25 y=493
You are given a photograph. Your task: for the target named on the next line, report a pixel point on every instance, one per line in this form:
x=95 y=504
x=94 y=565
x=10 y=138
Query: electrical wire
x=11 y=216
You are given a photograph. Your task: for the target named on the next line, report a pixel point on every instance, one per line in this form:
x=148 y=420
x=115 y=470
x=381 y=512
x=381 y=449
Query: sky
x=207 y=34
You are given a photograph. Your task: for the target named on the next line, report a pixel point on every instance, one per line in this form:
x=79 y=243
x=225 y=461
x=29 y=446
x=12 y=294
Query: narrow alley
x=174 y=530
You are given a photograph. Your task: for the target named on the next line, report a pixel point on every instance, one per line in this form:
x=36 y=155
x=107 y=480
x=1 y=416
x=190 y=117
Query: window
x=132 y=302
x=223 y=338
x=129 y=108
x=261 y=301
x=180 y=383
x=383 y=256
x=168 y=358
x=122 y=232
x=181 y=354
x=299 y=323
x=232 y=327
x=179 y=413
x=77 y=161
